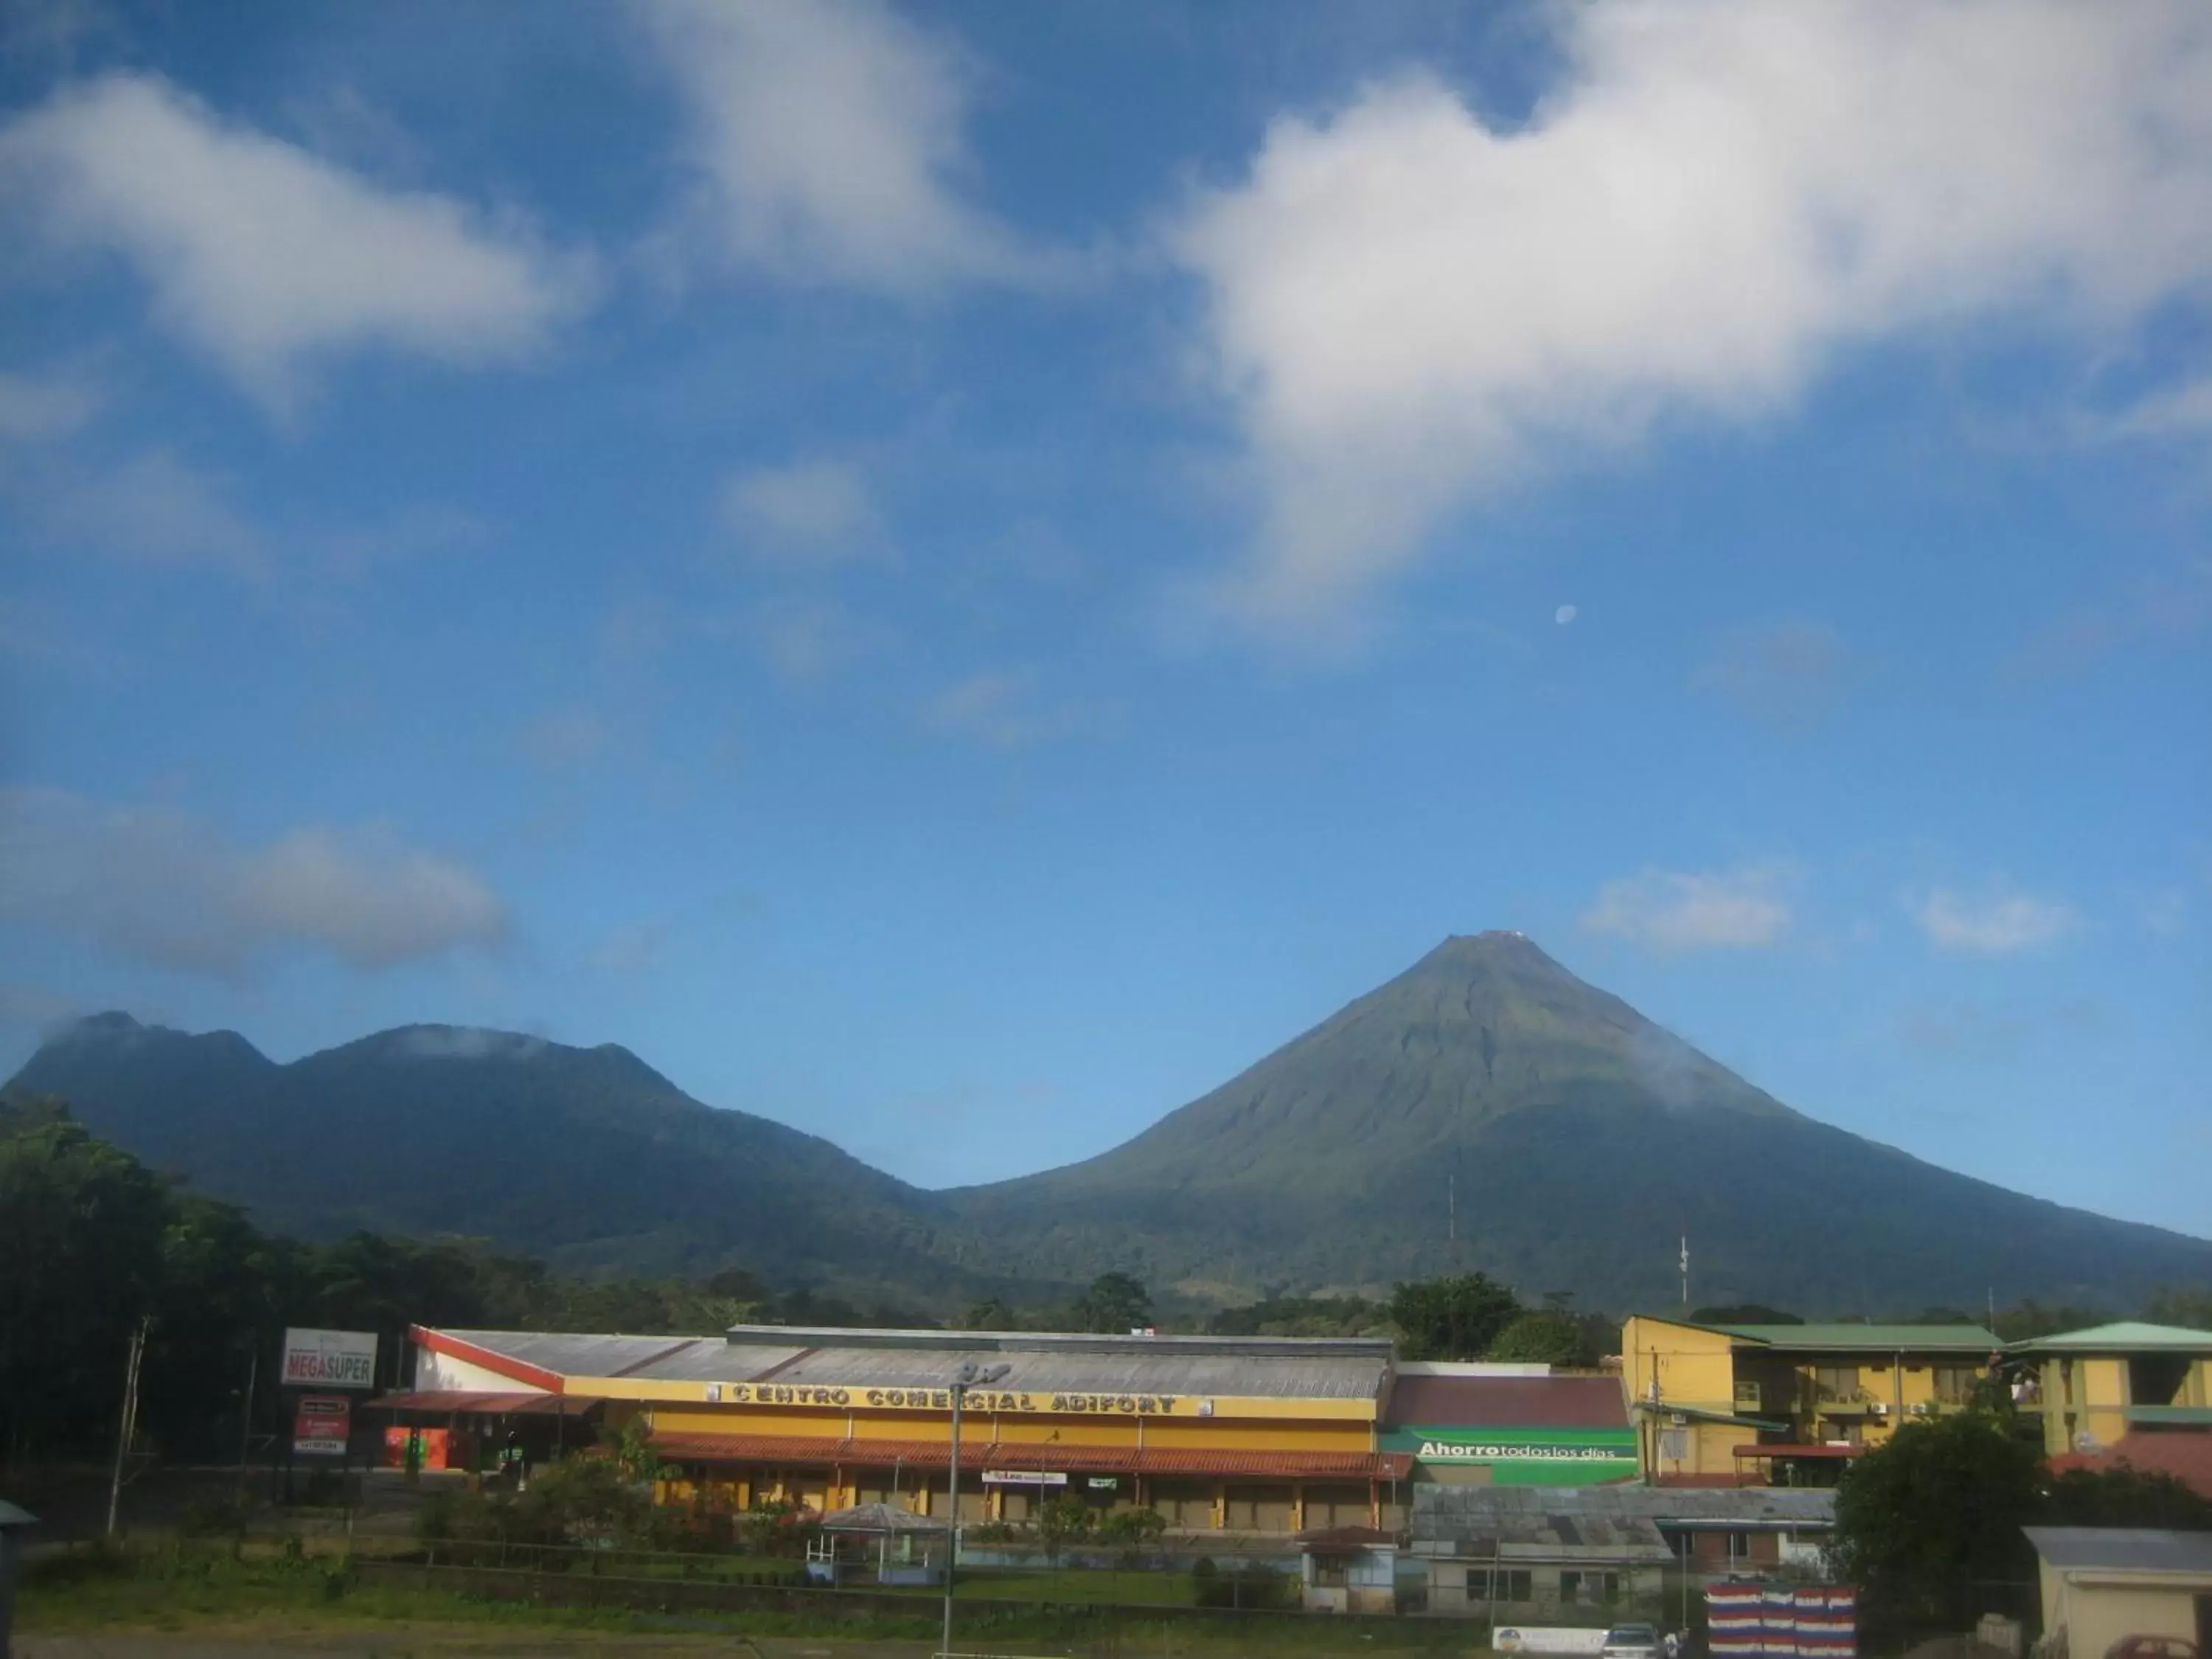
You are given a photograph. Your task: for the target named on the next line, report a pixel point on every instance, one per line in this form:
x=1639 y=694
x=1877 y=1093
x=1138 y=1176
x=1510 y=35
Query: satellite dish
x=2087 y=1443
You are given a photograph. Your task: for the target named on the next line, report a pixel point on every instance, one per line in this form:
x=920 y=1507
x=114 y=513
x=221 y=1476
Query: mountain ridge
x=1485 y=1109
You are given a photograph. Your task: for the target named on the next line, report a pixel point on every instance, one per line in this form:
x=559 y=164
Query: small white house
x=2102 y=1585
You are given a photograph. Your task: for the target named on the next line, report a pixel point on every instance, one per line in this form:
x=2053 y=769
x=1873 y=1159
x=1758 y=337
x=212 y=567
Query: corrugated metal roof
x=1026 y=1455
x=1500 y=1402
x=1142 y=1371
x=1838 y=1339
x=2123 y=1549
x=1483 y=1511
x=2123 y=1336
x=571 y=1354
x=1287 y=1367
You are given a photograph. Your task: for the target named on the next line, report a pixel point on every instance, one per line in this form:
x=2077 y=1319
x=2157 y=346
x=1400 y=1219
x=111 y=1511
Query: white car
x=1633 y=1641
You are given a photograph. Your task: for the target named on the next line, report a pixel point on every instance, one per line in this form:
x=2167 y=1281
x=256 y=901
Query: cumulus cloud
x=828 y=140
x=1670 y=911
x=1003 y=709
x=164 y=887
x=815 y=511
x=1407 y=305
x=1999 y=923
x=265 y=257
x=153 y=508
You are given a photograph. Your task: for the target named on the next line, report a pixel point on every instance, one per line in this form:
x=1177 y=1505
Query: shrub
x=1132 y=1527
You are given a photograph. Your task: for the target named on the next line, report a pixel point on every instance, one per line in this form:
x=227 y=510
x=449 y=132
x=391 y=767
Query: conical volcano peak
x=1494 y=949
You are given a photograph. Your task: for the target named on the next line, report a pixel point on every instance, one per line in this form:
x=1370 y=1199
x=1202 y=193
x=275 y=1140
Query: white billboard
x=328 y=1359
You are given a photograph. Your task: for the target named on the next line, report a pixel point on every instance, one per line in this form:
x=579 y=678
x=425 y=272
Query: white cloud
x=152 y=507
x=1408 y=307
x=1668 y=911
x=1002 y=709
x=828 y=141
x=812 y=510
x=265 y=257
x=160 y=885
x=1998 y=924
x=470 y=1042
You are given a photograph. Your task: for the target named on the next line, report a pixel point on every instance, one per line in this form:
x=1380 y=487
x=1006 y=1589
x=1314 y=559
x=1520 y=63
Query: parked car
x=1633 y=1641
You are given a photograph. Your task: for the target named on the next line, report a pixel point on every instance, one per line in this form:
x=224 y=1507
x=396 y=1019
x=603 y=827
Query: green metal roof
x=1884 y=1339
x=2128 y=1336
x=12 y=1516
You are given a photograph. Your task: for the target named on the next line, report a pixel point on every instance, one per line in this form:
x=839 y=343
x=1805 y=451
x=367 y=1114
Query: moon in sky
x=1563 y=615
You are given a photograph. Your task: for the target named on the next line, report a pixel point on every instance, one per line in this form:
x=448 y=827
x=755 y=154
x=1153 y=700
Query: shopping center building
x=1246 y=1434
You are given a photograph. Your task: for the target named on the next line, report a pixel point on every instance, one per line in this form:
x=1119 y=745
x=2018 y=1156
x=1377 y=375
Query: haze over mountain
x=1485 y=1109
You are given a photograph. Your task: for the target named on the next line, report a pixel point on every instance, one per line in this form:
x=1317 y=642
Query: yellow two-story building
x=1770 y=1404
x=2095 y=1387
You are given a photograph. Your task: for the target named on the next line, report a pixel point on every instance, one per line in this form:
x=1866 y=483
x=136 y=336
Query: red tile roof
x=2185 y=1455
x=1010 y=1454
x=1507 y=1402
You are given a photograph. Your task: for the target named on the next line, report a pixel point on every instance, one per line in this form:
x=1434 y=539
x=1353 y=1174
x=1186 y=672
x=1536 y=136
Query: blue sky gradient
x=952 y=576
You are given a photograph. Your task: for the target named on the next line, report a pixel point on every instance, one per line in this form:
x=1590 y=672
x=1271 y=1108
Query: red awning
x=448 y=1402
x=779 y=1449
x=1798 y=1450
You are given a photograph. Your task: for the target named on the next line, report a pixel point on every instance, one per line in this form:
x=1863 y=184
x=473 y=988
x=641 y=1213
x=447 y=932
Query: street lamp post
x=968 y=1377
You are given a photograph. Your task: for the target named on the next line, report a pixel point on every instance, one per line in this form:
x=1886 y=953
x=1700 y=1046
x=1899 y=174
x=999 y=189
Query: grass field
x=202 y=1593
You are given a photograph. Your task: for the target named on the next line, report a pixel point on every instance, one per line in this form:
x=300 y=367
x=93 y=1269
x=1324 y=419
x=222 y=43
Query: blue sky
x=953 y=575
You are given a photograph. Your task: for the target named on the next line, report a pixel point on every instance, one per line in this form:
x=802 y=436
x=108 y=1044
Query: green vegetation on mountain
x=1486 y=1111
x=586 y=1157
x=92 y=1241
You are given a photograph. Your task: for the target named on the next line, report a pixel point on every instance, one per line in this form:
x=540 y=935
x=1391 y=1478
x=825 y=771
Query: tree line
x=91 y=1242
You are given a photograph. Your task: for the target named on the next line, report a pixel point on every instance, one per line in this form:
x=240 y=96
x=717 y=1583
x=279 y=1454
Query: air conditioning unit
x=1881 y=1408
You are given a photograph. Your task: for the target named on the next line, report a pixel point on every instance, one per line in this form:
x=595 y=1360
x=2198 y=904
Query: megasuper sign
x=328 y=1359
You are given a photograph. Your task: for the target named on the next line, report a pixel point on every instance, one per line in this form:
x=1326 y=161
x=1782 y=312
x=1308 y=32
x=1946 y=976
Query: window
x=1510 y=1584
x=1739 y=1547
x=1589 y=1587
x=1837 y=1383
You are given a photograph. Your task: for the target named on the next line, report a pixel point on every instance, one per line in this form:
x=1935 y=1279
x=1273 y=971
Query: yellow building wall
x=1215 y=1434
x=2090 y=1394
x=1689 y=1367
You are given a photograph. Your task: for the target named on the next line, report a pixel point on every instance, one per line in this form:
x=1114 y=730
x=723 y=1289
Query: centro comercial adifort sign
x=1523 y=1457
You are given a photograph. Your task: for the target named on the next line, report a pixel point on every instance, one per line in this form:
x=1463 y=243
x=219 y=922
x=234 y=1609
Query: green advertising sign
x=1529 y=1457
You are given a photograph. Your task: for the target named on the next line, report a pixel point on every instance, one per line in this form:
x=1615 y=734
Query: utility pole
x=1686 y=1270
x=128 y=1430
x=966 y=1377
x=245 y=1413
